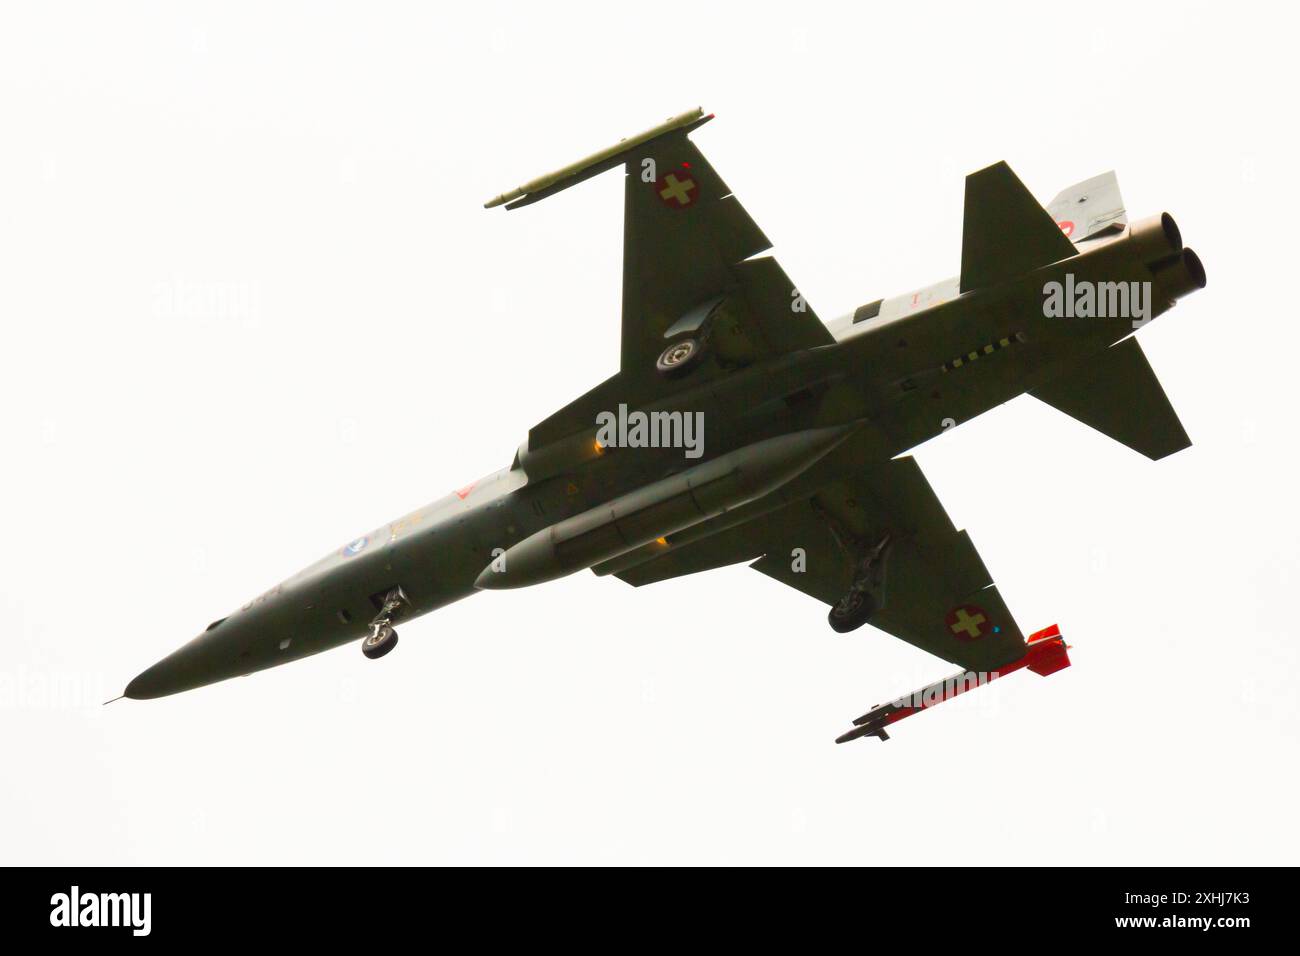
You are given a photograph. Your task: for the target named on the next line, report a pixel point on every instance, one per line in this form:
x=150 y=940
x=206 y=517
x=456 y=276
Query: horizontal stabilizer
x=1118 y=394
x=1006 y=233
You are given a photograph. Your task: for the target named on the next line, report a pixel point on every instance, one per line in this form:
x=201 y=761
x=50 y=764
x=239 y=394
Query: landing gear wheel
x=379 y=643
x=852 y=611
x=680 y=357
x=382 y=637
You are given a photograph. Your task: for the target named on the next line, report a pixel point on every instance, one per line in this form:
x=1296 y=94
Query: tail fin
x=1089 y=208
x=1118 y=394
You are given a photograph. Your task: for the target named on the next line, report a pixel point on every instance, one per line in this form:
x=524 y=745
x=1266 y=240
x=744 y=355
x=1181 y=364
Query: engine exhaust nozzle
x=1156 y=239
x=1178 y=277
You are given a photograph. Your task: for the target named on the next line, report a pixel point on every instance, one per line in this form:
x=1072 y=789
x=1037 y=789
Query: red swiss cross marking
x=1067 y=227
x=677 y=189
x=968 y=622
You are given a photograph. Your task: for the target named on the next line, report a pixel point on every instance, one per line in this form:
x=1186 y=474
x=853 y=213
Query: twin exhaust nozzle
x=1176 y=270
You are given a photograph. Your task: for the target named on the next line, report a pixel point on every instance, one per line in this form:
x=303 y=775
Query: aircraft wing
x=937 y=594
x=685 y=239
x=687 y=248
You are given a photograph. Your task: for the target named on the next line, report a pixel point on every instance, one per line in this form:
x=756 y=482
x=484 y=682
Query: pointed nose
x=258 y=636
x=184 y=669
x=226 y=649
x=156 y=681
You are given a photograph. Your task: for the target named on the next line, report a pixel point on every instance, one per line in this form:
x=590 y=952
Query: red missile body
x=1046 y=653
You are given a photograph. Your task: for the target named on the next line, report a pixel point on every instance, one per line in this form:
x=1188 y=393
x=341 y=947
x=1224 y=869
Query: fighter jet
x=741 y=428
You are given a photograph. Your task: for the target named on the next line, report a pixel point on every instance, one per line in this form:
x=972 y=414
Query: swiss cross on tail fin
x=1005 y=233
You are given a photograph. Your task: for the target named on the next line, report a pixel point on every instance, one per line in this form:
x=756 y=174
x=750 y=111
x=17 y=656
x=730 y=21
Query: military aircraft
x=741 y=428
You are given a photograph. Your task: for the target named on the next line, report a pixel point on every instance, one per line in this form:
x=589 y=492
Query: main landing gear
x=863 y=597
x=687 y=351
x=382 y=637
x=679 y=358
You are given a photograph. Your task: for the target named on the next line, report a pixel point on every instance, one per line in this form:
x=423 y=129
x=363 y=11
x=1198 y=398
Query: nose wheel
x=382 y=638
x=379 y=642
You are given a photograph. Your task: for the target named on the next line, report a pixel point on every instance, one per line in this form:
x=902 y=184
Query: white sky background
x=252 y=306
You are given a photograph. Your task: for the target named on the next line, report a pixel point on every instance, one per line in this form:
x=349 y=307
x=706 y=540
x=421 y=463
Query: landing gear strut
x=862 y=598
x=382 y=637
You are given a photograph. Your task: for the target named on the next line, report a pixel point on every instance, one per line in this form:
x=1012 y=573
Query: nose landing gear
x=380 y=641
x=382 y=638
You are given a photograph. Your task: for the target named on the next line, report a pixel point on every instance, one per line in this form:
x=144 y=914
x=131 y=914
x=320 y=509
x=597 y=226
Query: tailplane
x=1117 y=393
x=1005 y=232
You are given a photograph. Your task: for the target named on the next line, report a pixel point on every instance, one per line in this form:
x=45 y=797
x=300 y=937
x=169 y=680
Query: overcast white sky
x=252 y=307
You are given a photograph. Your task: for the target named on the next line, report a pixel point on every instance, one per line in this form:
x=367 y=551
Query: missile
x=659 y=509
x=595 y=163
x=1046 y=653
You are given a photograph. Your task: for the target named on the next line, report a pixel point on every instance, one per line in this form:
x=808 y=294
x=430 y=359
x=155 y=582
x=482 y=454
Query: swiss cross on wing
x=677 y=189
x=968 y=622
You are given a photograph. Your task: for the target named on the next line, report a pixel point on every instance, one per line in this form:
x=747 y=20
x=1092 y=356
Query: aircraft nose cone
x=153 y=682
x=176 y=672
x=249 y=640
x=220 y=652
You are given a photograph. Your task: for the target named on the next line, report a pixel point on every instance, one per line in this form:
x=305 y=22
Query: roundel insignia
x=677 y=189
x=1067 y=227
x=355 y=547
x=968 y=622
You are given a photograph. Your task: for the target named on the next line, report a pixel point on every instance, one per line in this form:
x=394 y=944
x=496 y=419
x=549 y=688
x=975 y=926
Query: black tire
x=376 y=646
x=680 y=357
x=852 y=612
